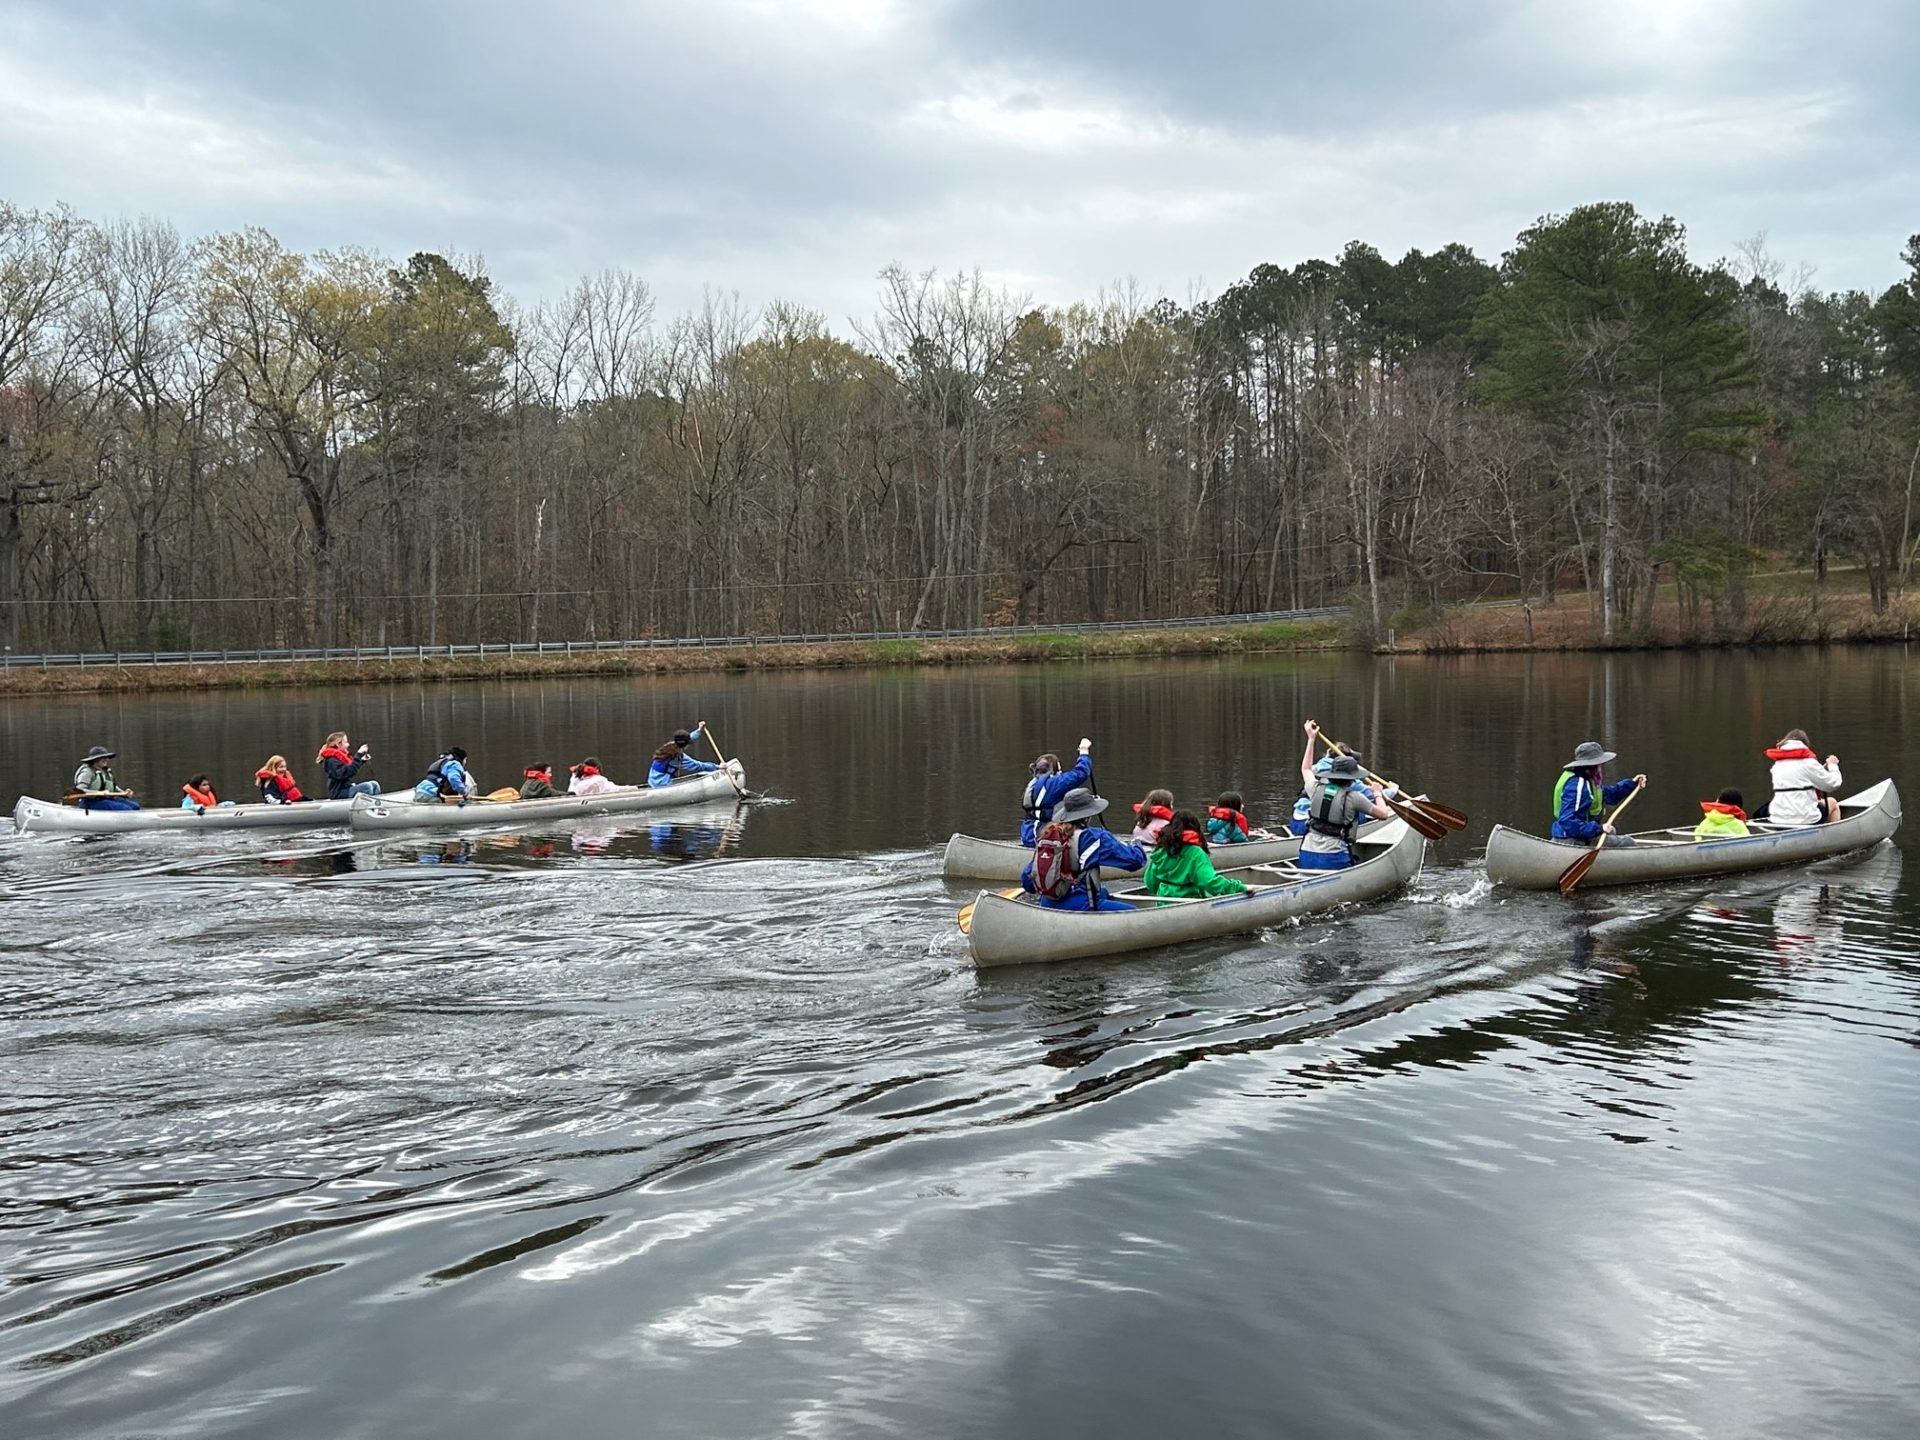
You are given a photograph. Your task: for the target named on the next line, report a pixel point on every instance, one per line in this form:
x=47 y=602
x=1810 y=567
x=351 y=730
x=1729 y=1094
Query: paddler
x=97 y=788
x=1581 y=796
x=1048 y=785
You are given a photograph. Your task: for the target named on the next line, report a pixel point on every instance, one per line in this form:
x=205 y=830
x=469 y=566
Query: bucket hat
x=99 y=752
x=1589 y=753
x=1344 y=767
x=1080 y=804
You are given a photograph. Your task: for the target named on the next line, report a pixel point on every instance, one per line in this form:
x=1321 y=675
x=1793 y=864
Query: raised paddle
x=1574 y=873
x=1431 y=827
x=966 y=911
x=707 y=731
x=1431 y=812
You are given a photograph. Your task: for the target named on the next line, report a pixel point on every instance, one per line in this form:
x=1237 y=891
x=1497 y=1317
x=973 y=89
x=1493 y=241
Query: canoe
x=1019 y=930
x=373 y=812
x=41 y=816
x=1529 y=863
x=969 y=858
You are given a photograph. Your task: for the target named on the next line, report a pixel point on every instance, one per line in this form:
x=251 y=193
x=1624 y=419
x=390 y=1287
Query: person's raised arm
x=1306 y=759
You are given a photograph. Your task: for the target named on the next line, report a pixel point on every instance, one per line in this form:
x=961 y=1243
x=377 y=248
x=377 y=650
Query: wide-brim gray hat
x=1344 y=767
x=1589 y=753
x=1079 y=804
x=99 y=752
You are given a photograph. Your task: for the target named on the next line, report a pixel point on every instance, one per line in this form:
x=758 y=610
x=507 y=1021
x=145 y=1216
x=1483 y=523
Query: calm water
x=705 y=1129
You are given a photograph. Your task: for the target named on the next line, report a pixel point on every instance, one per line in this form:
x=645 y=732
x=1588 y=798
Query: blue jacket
x=1094 y=849
x=458 y=781
x=1043 y=792
x=1575 y=820
x=660 y=772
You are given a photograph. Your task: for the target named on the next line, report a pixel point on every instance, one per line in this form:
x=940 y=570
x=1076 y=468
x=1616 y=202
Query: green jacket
x=1186 y=873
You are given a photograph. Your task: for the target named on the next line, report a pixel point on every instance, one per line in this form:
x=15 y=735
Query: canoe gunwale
x=33 y=816
x=369 y=814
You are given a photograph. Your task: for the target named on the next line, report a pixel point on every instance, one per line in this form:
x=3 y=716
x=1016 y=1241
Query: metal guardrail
x=575 y=647
x=667 y=642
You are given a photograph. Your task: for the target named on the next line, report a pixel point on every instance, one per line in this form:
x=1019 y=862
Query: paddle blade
x=1448 y=816
x=1576 y=872
x=965 y=917
x=1432 y=829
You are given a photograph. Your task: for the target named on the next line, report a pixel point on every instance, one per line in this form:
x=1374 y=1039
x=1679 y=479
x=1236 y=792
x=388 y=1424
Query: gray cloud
x=790 y=148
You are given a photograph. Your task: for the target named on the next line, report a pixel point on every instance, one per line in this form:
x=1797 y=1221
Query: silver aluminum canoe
x=970 y=858
x=41 y=817
x=1527 y=862
x=1021 y=931
x=372 y=812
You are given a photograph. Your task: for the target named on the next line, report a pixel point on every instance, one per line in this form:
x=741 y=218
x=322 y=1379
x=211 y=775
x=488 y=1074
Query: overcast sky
x=789 y=149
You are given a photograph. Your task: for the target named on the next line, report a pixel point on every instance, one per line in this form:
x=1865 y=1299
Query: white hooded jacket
x=1796 y=776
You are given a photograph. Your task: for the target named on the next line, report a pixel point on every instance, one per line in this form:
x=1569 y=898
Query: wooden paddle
x=1434 y=819
x=1574 y=873
x=707 y=730
x=966 y=911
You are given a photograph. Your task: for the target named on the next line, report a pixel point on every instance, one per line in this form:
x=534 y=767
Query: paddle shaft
x=707 y=730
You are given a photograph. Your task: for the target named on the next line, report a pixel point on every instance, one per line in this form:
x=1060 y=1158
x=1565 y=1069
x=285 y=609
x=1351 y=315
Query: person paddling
x=1068 y=857
x=1340 y=802
x=447 y=779
x=1582 y=795
x=1802 y=786
x=342 y=765
x=671 y=760
x=1049 y=783
x=98 y=789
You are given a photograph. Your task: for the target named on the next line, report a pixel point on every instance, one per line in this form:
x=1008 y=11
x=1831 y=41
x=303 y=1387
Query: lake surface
x=705 y=1128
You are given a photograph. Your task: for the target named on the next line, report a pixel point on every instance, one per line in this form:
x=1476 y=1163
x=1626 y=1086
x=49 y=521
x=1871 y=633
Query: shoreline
x=1260 y=638
x=1558 y=630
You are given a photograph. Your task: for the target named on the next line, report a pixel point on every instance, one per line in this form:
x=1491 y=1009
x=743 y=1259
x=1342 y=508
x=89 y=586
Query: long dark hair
x=1182 y=830
x=669 y=751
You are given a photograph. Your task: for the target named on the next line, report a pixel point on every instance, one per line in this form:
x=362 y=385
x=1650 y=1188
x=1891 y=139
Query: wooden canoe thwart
x=1527 y=862
x=32 y=816
x=1021 y=931
x=373 y=812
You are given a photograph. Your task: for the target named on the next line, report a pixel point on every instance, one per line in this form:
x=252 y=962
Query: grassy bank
x=1782 y=616
x=1227 y=639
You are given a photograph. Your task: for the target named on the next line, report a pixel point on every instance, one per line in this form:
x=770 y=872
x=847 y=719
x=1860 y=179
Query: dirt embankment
x=1571 y=624
x=1227 y=639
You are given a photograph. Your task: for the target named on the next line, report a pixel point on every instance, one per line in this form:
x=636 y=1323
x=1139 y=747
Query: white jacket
x=590 y=785
x=1793 y=802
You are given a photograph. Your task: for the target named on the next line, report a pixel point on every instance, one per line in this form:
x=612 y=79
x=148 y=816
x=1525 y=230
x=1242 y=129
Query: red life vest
x=334 y=752
x=1791 y=752
x=1232 y=817
x=200 y=797
x=1153 y=812
x=1714 y=807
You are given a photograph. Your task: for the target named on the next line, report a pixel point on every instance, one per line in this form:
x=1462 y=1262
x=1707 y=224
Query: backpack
x=1056 y=868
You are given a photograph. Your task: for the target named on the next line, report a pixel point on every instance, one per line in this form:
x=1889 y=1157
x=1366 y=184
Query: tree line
x=223 y=443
